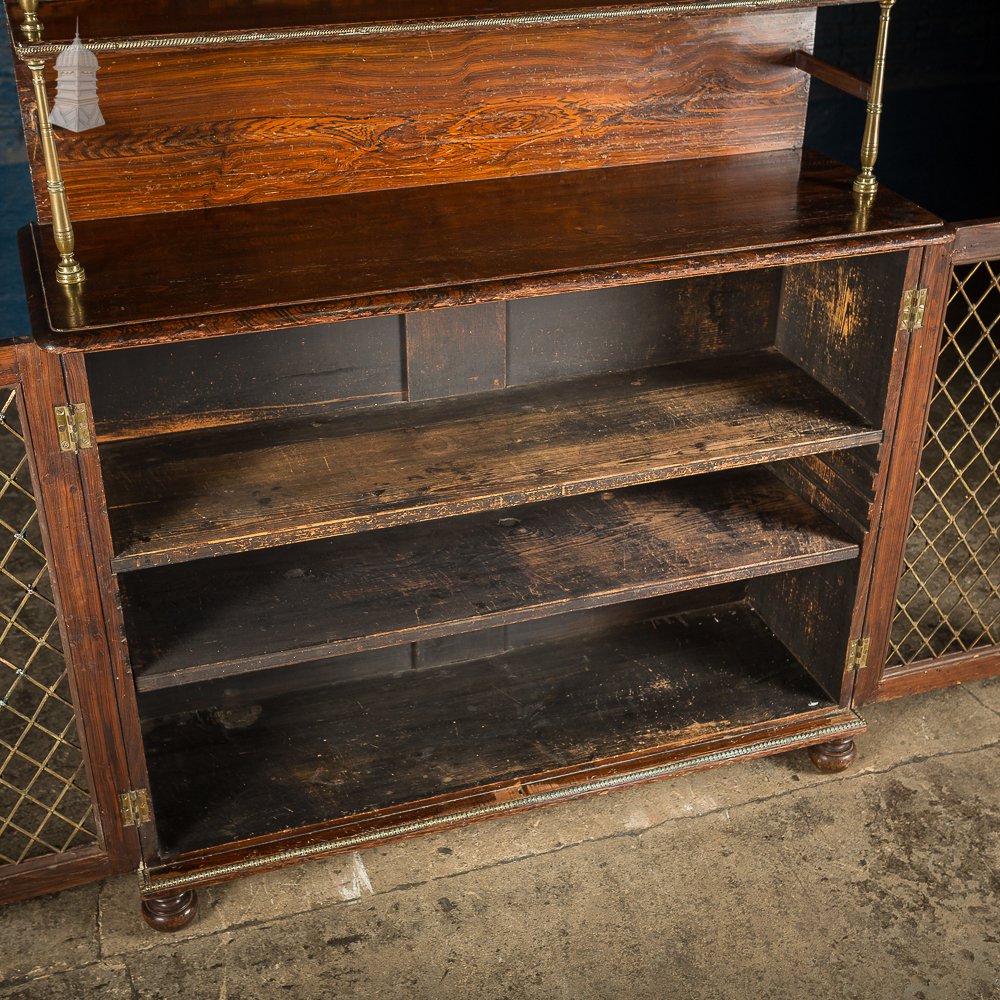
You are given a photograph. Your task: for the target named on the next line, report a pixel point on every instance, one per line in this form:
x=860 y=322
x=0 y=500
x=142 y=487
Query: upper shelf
x=188 y=275
x=180 y=23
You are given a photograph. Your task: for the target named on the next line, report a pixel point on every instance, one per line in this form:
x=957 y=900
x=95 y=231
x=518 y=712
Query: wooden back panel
x=190 y=129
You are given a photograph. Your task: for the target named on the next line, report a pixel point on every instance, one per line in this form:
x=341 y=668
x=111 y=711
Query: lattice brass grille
x=949 y=596
x=45 y=807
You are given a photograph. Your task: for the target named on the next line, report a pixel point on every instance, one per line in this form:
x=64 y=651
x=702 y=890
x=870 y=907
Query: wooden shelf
x=206 y=492
x=375 y=743
x=216 y=22
x=235 y=614
x=281 y=264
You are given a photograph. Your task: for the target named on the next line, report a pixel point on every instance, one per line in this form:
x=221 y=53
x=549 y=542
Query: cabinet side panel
x=295 y=120
x=810 y=612
x=838 y=322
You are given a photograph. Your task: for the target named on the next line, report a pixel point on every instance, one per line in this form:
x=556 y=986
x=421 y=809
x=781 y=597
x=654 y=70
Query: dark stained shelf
x=174 y=19
x=191 y=494
x=375 y=743
x=235 y=614
x=186 y=275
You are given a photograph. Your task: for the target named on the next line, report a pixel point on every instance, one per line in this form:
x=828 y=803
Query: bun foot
x=170 y=913
x=837 y=755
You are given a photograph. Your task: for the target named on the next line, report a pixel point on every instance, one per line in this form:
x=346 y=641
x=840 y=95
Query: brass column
x=31 y=26
x=69 y=271
x=865 y=183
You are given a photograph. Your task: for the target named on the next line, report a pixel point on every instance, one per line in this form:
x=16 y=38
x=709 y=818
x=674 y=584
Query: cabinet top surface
x=187 y=275
x=177 y=23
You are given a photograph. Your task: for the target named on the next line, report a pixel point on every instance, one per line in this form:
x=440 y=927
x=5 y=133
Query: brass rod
x=68 y=271
x=865 y=182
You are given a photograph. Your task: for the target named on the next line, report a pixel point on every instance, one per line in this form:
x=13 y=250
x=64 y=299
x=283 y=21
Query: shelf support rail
x=865 y=183
x=69 y=270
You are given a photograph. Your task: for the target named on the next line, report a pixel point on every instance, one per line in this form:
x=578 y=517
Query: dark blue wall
x=16 y=203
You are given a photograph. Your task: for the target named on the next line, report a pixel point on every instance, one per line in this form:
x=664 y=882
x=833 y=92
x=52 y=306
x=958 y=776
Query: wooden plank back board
x=246 y=124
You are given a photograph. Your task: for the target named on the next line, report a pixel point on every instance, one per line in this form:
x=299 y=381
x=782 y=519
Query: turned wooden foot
x=837 y=755
x=170 y=913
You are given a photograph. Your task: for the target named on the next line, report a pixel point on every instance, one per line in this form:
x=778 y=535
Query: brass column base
x=70 y=272
x=865 y=184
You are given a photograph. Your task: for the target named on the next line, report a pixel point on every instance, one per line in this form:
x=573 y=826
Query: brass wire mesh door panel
x=45 y=804
x=948 y=602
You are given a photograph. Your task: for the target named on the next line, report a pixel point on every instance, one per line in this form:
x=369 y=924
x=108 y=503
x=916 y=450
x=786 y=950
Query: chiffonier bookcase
x=443 y=409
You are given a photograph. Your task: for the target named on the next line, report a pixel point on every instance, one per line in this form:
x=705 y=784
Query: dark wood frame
x=974 y=241
x=67 y=546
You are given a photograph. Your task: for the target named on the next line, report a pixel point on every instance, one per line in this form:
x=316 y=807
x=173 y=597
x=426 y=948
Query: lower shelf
x=566 y=710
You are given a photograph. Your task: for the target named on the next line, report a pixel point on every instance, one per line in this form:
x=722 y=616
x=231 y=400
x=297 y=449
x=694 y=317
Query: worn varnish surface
x=388 y=250
x=193 y=494
x=295 y=603
x=354 y=747
x=316 y=118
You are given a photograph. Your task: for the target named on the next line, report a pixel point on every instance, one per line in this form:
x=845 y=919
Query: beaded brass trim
x=42 y=49
x=148 y=885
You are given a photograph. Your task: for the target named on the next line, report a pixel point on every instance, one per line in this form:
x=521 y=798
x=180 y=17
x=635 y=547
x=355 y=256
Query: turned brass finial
x=31 y=26
x=865 y=182
x=68 y=271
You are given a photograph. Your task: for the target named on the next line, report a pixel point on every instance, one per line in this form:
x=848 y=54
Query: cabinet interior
x=378 y=561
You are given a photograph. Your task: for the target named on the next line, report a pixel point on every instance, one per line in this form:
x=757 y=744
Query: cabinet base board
x=412 y=820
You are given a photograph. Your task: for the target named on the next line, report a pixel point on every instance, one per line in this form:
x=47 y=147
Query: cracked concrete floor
x=762 y=879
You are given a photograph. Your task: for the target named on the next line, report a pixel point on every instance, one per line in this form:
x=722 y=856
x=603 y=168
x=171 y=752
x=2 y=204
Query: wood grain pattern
x=977 y=241
x=394 y=250
x=202 y=620
x=492 y=721
x=832 y=75
x=931 y=675
x=184 y=496
x=55 y=873
x=337 y=116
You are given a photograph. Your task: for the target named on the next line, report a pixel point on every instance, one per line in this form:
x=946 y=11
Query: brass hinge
x=914 y=306
x=135 y=807
x=73 y=427
x=857 y=654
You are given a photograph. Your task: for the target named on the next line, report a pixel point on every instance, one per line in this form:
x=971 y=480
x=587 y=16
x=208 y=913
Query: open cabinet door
x=61 y=761
x=946 y=627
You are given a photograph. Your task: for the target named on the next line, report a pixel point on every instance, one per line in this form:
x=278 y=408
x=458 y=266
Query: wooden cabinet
x=467 y=433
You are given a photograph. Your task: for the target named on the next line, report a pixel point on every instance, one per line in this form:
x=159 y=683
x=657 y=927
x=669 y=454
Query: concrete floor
x=762 y=879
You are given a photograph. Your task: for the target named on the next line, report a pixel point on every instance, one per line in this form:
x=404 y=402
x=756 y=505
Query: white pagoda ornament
x=76 y=106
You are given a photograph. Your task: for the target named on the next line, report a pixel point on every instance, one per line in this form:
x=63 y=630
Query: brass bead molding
x=865 y=183
x=38 y=50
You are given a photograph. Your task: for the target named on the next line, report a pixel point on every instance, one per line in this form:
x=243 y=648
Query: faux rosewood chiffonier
x=444 y=408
